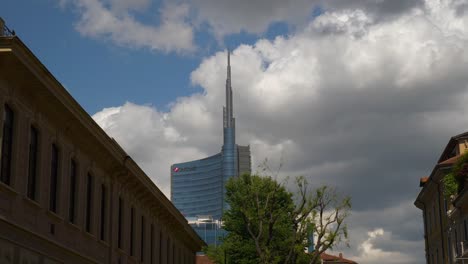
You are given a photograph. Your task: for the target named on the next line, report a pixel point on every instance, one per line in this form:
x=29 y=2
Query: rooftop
x=327 y=258
x=4 y=30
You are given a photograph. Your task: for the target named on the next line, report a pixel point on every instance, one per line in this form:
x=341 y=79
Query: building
x=68 y=192
x=197 y=187
x=327 y=259
x=445 y=218
x=208 y=228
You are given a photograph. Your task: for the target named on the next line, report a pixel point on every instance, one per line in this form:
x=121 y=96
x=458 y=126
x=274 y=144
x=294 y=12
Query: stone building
x=68 y=192
x=445 y=218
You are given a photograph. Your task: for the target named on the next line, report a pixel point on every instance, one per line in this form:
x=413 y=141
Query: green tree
x=268 y=224
x=454 y=181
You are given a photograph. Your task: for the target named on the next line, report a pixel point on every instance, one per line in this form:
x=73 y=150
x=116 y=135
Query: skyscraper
x=197 y=187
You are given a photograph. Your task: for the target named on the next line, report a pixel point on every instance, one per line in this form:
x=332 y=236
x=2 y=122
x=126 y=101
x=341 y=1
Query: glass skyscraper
x=197 y=187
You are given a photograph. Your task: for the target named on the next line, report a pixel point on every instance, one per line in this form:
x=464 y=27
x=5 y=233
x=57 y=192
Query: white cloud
x=149 y=138
x=366 y=107
x=369 y=253
x=116 y=20
x=118 y=25
x=386 y=235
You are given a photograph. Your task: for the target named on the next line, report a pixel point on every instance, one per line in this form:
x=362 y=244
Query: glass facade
x=197 y=188
x=209 y=229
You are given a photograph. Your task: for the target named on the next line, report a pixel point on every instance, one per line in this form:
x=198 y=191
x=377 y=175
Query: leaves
x=450 y=185
x=268 y=224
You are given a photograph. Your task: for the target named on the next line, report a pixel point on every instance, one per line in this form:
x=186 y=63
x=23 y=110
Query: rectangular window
x=168 y=250
x=32 y=169
x=103 y=212
x=132 y=222
x=119 y=231
x=173 y=253
x=151 y=243
x=54 y=164
x=465 y=229
x=7 y=144
x=429 y=224
x=449 y=246
x=160 y=246
x=89 y=199
x=142 y=237
x=456 y=244
x=72 y=202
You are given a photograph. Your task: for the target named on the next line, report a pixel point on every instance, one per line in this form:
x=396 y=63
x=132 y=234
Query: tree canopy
x=266 y=223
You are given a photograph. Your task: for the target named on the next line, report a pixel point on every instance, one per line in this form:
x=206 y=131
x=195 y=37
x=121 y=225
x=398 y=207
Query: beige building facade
x=445 y=218
x=68 y=192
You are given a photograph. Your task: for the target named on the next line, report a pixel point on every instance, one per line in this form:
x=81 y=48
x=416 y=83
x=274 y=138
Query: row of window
x=7 y=140
x=33 y=156
x=170 y=247
x=453 y=244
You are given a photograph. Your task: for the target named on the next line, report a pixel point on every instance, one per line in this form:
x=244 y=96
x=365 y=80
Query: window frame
x=33 y=157
x=7 y=178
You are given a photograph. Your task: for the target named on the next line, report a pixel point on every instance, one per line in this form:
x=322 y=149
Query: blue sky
x=100 y=74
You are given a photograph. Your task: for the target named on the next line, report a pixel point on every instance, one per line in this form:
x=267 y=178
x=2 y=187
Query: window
x=142 y=237
x=449 y=247
x=73 y=179
x=465 y=229
x=132 y=222
x=119 y=231
x=32 y=168
x=160 y=246
x=456 y=244
x=7 y=143
x=151 y=243
x=103 y=212
x=429 y=224
x=89 y=198
x=168 y=249
x=173 y=252
x=54 y=164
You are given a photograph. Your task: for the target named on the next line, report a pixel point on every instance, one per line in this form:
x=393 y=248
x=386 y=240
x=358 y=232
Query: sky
x=362 y=95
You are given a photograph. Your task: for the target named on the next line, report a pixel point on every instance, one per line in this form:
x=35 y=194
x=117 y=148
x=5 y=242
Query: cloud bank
x=172 y=25
x=352 y=100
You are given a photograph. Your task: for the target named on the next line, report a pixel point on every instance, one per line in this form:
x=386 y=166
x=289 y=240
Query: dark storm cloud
x=225 y=17
x=379 y=8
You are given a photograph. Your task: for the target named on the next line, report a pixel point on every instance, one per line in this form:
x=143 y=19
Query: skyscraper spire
x=229 y=64
x=228 y=111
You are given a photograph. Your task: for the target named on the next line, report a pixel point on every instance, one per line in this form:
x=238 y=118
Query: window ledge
x=103 y=242
x=8 y=189
x=57 y=218
x=32 y=202
x=89 y=235
x=72 y=225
